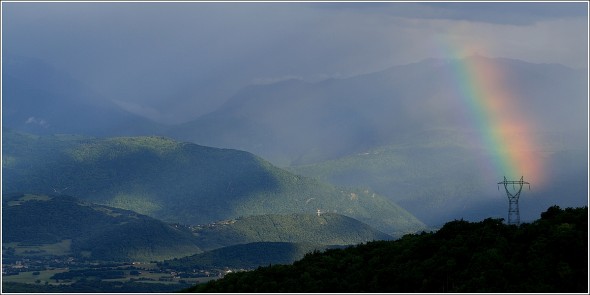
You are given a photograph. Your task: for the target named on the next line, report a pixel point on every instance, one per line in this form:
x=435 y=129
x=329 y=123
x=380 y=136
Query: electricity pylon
x=513 y=212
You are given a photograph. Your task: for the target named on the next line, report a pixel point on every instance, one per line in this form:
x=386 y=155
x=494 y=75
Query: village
x=58 y=270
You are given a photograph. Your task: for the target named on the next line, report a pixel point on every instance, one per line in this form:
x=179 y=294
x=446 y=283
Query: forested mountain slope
x=323 y=229
x=181 y=182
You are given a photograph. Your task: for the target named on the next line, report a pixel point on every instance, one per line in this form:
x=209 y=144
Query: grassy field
x=44 y=277
x=29 y=278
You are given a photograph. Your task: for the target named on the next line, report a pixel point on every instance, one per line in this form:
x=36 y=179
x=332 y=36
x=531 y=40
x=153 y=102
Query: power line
x=513 y=211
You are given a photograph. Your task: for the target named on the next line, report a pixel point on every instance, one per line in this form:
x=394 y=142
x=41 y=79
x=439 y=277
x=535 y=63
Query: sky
x=175 y=61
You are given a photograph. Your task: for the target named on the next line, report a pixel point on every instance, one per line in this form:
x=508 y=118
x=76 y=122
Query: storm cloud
x=175 y=61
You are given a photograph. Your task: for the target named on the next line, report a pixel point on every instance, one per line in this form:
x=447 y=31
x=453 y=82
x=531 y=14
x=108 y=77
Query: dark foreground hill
x=88 y=230
x=325 y=229
x=547 y=255
x=181 y=182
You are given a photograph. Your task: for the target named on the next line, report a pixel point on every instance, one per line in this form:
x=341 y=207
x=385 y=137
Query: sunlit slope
x=325 y=229
x=261 y=240
x=89 y=231
x=181 y=182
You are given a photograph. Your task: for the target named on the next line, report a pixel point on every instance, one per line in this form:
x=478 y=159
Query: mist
x=172 y=62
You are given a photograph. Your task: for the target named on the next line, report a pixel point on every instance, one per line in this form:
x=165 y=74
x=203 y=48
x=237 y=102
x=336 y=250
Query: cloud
x=271 y=80
x=147 y=112
x=185 y=59
x=37 y=121
x=511 y=13
x=515 y=13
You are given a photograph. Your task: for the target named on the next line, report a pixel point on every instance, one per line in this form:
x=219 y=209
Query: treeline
x=548 y=255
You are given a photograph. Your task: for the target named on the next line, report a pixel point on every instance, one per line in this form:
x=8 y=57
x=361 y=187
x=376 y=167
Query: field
x=34 y=277
x=136 y=272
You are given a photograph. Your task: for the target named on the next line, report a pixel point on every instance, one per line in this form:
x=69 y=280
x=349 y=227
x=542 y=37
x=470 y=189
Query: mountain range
x=279 y=170
x=181 y=182
x=402 y=133
x=294 y=122
x=406 y=133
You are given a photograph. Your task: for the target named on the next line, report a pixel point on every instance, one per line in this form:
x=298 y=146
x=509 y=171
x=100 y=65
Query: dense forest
x=547 y=255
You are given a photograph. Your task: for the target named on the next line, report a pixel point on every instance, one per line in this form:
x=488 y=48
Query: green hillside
x=421 y=174
x=326 y=229
x=442 y=174
x=64 y=225
x=244 y=256
x=549 y=255
x=181 y=182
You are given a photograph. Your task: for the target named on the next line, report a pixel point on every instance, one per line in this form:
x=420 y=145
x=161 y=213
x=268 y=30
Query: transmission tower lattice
x=513 y=212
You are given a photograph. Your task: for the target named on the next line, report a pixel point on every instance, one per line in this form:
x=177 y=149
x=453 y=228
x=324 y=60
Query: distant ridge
x=295 y=122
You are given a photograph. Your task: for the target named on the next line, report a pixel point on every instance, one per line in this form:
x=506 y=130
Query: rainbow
x=505 y=131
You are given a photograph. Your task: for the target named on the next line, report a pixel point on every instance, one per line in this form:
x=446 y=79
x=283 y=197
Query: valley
x=106 y=200
x=59 y=243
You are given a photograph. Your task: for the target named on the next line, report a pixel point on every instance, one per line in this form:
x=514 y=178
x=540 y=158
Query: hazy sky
x=174 y=61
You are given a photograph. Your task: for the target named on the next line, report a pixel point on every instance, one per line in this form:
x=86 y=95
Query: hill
x=549 y=255
x=441 y=168
x=325 y=229
x=181 y=182
x=245 y=256
x=88 y=230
